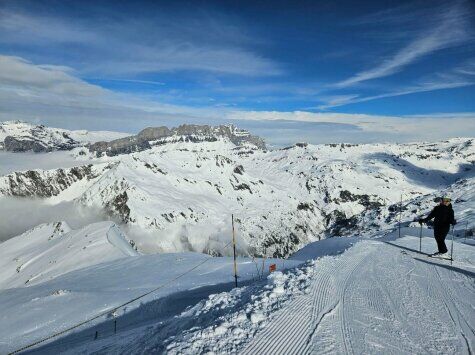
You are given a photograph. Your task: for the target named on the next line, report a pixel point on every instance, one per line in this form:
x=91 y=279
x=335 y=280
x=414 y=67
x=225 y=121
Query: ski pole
x=234 y=253
x=420 y=240
x=452 y=246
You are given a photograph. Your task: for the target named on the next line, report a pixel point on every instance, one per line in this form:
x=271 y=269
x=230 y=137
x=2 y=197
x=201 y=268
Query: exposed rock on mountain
x=185 y=133
x=49 y=183
x=18 y=136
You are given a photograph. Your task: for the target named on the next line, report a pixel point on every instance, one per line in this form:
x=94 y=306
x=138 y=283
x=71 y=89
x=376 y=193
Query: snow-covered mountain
x=153 y=136
x=18 y=136
x=54 y=277
x=183 y=187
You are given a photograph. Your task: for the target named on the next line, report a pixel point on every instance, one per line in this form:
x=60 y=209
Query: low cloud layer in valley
x=17 y=215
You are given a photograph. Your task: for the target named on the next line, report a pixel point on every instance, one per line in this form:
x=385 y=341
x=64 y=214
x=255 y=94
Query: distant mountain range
x=181 y=185
x=18 y=136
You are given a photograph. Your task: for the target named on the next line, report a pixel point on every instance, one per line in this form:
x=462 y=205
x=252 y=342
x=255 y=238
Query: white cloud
x=424 y=127
x=460 y=76
x=451 y=30
x=54 y=96
x=18 y=73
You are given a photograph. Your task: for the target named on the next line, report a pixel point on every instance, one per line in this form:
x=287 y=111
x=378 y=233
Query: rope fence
x=109 y=311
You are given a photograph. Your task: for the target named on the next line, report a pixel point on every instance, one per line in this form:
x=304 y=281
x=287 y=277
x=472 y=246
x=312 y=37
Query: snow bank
x=237 y=315
x=330 y=246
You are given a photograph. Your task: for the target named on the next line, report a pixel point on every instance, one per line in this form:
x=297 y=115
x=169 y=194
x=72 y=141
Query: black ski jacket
x=443 y=216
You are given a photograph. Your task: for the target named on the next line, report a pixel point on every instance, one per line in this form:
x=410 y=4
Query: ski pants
x=440 y=232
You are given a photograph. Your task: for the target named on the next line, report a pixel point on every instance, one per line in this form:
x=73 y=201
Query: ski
x=415 y=253
x=438 y=257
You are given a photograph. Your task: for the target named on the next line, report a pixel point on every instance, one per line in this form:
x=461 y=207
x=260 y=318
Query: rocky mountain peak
x=150 y=136
x=19 y=136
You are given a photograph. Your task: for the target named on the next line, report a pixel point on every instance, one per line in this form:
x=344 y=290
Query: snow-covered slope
x=18 y=136
x=181 y=187
x=378 y=296
x=91 y=271
x=184 y=192
x=53 y=249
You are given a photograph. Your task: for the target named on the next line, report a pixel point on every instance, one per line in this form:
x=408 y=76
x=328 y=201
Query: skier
x=443 y=215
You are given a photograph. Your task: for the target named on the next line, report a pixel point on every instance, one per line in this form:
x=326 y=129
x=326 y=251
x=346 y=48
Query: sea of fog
x=10 y=162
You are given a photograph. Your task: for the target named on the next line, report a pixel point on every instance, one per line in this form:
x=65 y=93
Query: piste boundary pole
x=400 y=214
x=420 y=240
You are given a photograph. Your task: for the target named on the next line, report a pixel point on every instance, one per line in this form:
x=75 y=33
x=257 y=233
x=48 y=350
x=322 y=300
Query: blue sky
x=316 y=71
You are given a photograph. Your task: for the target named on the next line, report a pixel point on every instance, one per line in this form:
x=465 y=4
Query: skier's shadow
x=406 y=248
x=450 y=267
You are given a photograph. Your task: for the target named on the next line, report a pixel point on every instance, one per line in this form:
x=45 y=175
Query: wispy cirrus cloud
x=54 y=94
x=460 y=76
x=122 y=45
x=134 y=81
x=451 y=28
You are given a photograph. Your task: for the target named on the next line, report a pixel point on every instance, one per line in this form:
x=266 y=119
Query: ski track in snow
x=381 y=301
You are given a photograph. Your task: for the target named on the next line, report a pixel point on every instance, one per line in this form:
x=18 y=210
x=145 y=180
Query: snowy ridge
x=51 y=183
x=118 y=239
x=53 y=249
x=105 y=286
x=184 y=191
